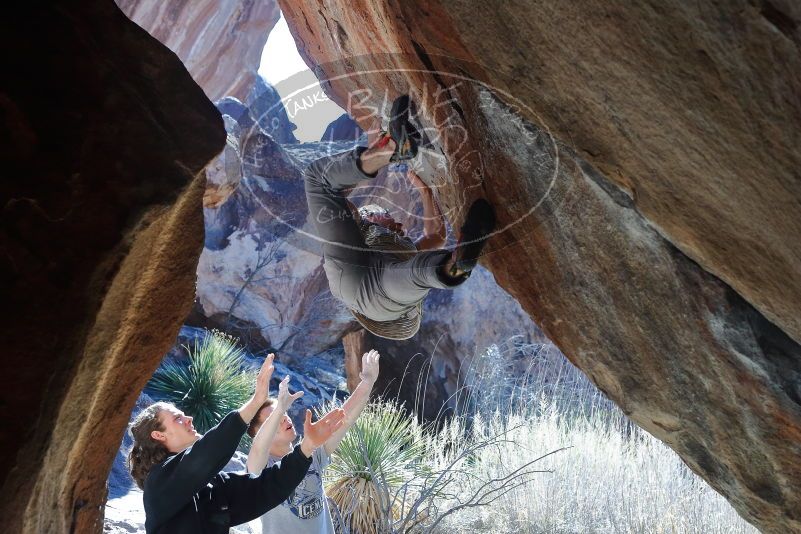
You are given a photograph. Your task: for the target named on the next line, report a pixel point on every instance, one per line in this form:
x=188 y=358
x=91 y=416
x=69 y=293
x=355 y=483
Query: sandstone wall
x=105 y=136
x=219 y=42
x=644 y=162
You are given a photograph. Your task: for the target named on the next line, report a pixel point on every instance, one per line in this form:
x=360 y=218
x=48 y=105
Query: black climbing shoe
x=402 y=131
x=476 y=230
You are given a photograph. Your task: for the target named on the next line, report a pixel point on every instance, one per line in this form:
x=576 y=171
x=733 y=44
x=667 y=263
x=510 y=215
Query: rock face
x=220 y=43
x=342 y=129
x=269 y=112
x=644 y=160
x=101 y=232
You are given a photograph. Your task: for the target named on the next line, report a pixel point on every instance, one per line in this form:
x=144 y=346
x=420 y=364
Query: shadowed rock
x=343 y=128
x=267 y=108
x=101 y=232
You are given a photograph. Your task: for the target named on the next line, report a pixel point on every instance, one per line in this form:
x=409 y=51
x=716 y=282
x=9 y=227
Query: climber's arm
x=434 y=232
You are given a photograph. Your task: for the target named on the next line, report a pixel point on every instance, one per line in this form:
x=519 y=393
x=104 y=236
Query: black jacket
x=187 y=493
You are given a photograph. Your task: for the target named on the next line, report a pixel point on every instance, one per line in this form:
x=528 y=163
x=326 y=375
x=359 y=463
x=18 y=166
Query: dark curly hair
x=259 y=419
x=146 y=451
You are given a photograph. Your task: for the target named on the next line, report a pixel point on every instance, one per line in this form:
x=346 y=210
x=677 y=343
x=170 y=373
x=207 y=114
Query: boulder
x=343 y=128
x=268 y=109
x=101 y=232
x=219 y=42
x=643 y=160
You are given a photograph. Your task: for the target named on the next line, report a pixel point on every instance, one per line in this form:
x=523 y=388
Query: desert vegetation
x=209 y=384
x=545 y=452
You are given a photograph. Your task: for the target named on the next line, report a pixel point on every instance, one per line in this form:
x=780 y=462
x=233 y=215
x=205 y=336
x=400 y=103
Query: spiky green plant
x=383 y=451
x=211 y=385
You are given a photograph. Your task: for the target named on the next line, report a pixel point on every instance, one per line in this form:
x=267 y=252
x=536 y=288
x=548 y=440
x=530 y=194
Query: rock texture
x=342 y=129
x=645 y=161
x=101 y=231
x=220 y=43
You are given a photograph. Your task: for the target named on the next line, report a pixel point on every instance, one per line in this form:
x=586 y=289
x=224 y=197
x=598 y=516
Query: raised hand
x=316 y=434
x=263 y=379
x=262 y=391
x=285 y=399
x=369 y=366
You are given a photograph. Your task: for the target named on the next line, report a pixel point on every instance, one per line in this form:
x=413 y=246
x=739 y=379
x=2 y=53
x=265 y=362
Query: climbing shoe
x=401 y=129
x=476 y=230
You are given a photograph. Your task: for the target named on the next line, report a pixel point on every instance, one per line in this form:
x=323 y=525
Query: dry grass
x=611 y=477
x=545 y=453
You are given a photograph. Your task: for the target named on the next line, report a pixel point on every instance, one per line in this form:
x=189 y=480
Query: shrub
x=210 y=385
x=490 y=466
x=384 y=451
x=391 y=474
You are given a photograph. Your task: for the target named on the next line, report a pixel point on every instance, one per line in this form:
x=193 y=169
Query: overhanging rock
x=644 y=160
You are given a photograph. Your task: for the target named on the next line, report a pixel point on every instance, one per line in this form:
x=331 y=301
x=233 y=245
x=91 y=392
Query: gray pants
x=376 y=284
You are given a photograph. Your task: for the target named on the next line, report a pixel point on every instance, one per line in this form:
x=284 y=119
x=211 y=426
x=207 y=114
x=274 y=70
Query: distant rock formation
x=220 y=43
x=343 y=128
x=269 y=112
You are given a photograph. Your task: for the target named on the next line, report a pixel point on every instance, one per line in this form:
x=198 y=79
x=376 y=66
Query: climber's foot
x=476 y=230
x=402 y=131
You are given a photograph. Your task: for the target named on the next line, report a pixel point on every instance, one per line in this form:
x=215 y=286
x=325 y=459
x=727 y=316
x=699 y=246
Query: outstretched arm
x=260 y=449
x=190 y=470
x=202 y=460
x=250 y=496
x=248 y=410
x=316 y=434
x=434 y=232
x=358 y=399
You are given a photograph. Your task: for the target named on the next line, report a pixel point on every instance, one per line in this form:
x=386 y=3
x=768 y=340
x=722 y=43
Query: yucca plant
x=210 y=385
x=377 y=461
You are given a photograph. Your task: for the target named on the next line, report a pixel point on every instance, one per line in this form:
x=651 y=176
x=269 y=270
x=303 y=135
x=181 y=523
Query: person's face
x=286 y=433
x=386 y=221
x=179 y=432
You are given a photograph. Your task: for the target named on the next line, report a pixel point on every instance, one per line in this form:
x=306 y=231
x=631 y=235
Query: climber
x=306 y=510
x=372 y=267
x=179 y=470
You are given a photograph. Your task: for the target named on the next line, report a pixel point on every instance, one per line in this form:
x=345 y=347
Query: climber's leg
x=346 y=254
